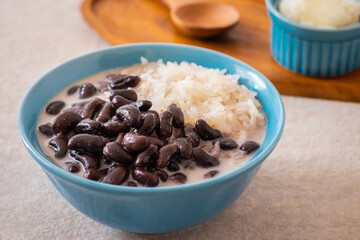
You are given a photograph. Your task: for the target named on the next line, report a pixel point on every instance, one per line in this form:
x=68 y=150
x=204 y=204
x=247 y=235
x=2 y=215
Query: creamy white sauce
x=229 y=160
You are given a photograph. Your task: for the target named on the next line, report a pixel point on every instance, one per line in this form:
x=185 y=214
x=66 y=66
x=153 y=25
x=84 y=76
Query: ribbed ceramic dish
x=313 y=51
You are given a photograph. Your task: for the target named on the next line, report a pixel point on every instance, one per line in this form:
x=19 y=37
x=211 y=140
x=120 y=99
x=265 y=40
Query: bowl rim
x=48 y=165
x=277 y=14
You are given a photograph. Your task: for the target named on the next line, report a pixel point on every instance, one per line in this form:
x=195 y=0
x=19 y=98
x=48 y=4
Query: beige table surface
x=309 y=188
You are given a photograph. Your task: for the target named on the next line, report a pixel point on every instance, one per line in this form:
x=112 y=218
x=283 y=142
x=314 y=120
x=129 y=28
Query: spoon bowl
x=202 y=19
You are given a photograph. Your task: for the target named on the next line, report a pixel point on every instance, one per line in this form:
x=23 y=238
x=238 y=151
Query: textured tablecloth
x=309 y=188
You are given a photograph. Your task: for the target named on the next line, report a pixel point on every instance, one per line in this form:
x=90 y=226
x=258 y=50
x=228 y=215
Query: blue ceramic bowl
x=313 y=51
x=149 y=210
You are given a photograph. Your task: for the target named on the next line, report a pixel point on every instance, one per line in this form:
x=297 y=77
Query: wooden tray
x=130 y=21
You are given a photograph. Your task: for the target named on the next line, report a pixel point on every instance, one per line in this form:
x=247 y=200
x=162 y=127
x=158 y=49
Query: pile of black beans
x=113 y=139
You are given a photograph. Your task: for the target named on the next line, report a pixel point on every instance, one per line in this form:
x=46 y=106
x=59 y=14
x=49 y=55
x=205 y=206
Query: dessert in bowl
x=145 y=209
x=318 y=51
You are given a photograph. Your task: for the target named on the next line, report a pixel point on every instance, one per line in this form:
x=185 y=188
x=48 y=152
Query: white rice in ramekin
x=322 y=13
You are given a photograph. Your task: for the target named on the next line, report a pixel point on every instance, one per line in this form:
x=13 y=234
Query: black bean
x=94 y=174
x=203 y=159
x=129 y=114
x=55 y=107
x=134 y=142
x=73 y=109
x=90 y=108
x=72 y=90
x=80 y=104
x=120 y=81
x=117 y=175
x=65 y=122
x=205 y=131
x=87 y=160
x=178 y=178
x=145 y=178
x=129 y=94
x=173 y=167
x=132 y=184
x=226 y=143
x=156 y=141
x=165 y=154
x=161 y=174
x=164 y=129
x=178 y=115
x=106 y=112
x=87 y=90
x=211 y=174
x=113 y=128
x=185 y=148
x=46 y=129
x=114 y=165
x=119 y=101
x=72 y=167
x=115 y=152
x=249 y=146
x=148 y=124
x=88 y=126
x=191 y=135
x=86 y=143
x=144 y=158
x=59 y=144
x=143 y=105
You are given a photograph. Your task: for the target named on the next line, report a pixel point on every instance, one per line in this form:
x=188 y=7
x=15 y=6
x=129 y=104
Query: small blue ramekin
x=313 y=51
x=141 y=209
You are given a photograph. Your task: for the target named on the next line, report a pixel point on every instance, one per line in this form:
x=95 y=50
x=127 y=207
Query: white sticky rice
x=201 y=93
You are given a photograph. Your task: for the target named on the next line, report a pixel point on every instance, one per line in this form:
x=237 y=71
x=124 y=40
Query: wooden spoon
x=202 y=19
